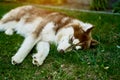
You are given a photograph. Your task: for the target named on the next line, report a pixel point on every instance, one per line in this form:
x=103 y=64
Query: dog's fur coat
x=41 y=27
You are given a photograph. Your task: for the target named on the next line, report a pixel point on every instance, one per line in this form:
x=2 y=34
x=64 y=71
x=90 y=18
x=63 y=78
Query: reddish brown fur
x=84 y=37
x=56 y=18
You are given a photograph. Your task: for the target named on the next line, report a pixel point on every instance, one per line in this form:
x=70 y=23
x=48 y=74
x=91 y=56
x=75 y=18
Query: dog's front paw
x=16 y=60
x=37 y=60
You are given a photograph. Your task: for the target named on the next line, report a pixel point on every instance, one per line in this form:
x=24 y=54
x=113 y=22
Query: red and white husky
x=41 y=27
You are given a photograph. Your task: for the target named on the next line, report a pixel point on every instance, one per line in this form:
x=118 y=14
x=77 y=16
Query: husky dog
x=41 y=27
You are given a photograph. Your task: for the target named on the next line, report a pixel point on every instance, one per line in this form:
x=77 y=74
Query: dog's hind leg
x=16 y=14
x=10 y=16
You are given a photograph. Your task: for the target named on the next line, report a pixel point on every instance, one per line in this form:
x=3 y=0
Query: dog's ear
x=94 y=42
x=89 y=30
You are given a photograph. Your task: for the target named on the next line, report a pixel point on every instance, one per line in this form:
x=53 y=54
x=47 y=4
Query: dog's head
x=82 y=35
x=80 y=38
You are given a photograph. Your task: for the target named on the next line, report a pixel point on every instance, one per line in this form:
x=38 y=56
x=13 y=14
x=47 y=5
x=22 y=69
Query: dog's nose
x=61 y=51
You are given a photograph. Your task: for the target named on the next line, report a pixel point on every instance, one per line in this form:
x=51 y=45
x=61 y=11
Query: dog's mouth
x=77 y=46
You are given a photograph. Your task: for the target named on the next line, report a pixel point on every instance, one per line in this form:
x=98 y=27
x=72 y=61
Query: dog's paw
x=15 y=60
x=37 y=60
x=9 y=32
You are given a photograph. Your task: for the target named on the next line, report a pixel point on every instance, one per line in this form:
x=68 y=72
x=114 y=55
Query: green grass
x=88 y=64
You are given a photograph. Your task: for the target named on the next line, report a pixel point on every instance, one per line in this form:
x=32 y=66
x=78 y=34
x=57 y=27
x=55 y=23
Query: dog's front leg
x=23 y=51
x=43 y=50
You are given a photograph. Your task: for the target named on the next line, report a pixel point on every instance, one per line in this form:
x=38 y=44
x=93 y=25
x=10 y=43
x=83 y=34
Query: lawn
x=99 y=63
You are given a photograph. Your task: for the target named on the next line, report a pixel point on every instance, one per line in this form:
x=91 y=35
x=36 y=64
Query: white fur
x=9 y=31
x=8 y=25
x=25 y=29
x=43 y=50
x=63 y=37
x=48 y=33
